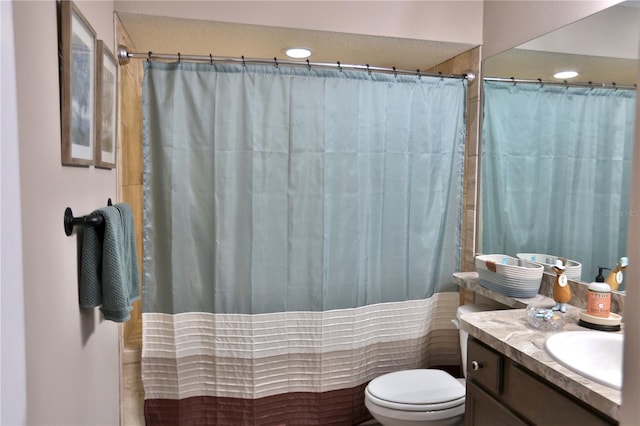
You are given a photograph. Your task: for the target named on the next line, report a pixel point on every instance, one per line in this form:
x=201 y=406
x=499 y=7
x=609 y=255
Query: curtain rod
x=561 y=83
x=124 y=57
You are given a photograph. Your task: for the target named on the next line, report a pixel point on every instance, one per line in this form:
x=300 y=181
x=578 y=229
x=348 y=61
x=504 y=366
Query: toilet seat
x=416 y=390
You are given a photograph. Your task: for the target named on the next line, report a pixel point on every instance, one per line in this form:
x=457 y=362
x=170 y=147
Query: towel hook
x=89 y=220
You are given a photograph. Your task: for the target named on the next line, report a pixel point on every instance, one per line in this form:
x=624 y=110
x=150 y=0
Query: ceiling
x=223 y=39
x=161 y=34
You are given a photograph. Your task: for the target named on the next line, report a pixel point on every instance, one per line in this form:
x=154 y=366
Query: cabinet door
x=484 y=367
x=543 y=404
x=482 y=410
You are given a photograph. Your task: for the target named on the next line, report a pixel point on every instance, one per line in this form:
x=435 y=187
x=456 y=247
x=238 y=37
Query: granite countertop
x=509 y=332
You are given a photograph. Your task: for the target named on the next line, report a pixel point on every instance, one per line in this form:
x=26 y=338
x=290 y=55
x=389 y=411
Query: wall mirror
x=603 y=48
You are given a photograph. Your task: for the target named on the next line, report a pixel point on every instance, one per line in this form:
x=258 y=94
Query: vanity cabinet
x=502 y=392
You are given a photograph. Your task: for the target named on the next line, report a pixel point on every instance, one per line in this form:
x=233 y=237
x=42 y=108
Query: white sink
x=596 y=355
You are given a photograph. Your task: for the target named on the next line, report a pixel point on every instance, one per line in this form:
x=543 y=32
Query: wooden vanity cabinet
x=502 y=392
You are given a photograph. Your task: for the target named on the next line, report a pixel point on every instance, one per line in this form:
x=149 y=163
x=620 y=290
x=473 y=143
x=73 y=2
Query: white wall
x=13 y=390
x=72 y=357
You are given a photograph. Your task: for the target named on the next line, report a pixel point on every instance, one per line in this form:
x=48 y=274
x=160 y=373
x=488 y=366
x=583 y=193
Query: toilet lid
x=421 y=387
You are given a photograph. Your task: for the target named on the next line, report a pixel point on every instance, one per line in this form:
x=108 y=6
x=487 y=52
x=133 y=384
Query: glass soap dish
x=544 y=318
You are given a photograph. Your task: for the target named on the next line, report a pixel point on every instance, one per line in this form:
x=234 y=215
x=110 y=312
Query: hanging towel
x=109 y=267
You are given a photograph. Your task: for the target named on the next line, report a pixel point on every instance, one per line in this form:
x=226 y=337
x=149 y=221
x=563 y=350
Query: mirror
x=604 y=49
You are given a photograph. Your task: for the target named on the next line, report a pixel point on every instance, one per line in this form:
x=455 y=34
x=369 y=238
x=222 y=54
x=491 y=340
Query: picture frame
x=77 y=48
x=106 y=107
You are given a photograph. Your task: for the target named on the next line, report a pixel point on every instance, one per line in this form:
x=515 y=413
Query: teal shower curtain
x=322 y=201
x=556 y=169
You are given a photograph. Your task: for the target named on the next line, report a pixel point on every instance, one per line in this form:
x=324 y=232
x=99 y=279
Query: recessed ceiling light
x=562 y=75
x=297 y=52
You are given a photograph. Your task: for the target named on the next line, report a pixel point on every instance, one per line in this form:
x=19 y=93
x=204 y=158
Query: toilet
x=421 y=396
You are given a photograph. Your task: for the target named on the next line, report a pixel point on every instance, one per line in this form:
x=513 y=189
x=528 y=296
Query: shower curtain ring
x=513 y=80
x=276 y=62
x=339 y=67
x=418 y=73
x=368 y=70
x=211 y=58
x=395 y=73
x=244 y=65
x=540 y=81
x=149 y=57
x=179 y=58
x=440 y=74
x=308 y=65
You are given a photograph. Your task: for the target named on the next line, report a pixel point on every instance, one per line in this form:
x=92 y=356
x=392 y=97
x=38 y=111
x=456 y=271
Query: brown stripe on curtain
x=338 y=407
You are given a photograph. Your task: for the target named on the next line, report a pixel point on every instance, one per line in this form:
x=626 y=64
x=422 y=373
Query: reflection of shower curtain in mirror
x=556 y=170
x=300 y=231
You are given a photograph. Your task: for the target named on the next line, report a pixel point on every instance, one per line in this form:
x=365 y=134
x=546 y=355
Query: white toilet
x=422 y=396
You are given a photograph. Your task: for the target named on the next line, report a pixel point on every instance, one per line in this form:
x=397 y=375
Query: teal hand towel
x=109 y=268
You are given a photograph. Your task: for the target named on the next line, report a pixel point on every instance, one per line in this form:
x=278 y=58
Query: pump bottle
x=599 y=296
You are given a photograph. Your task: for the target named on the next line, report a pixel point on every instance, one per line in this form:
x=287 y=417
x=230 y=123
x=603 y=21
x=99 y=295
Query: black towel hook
x=89 y=220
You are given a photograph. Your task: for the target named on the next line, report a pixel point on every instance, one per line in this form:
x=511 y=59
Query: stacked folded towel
x=109 y=269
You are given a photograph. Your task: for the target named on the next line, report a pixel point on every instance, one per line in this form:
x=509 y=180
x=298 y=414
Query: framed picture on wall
x=77 y=50
x=106 y=107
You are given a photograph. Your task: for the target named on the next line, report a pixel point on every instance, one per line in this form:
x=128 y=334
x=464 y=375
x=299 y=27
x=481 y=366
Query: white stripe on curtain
x=255 y=356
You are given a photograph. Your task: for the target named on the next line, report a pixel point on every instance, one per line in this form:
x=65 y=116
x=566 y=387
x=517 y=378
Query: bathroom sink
x=596 y=355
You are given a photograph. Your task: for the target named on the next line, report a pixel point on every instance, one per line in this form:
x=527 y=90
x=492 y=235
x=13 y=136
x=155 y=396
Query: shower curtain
x=556 y=169
x=301 y=227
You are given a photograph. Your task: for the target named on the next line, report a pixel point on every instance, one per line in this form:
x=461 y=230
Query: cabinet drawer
x=484 y=366
x=544 y=404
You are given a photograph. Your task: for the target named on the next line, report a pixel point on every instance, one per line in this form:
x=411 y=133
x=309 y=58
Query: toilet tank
x=463 y=309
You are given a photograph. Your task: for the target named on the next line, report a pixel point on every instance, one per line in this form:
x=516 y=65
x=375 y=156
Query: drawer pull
x=475 y=365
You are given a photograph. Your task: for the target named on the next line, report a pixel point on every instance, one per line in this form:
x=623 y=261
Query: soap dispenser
x=615 y=277
x=561 y=289
x=599 y=296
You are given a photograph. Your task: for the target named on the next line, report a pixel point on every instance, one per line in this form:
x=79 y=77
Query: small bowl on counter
x=545 y=319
